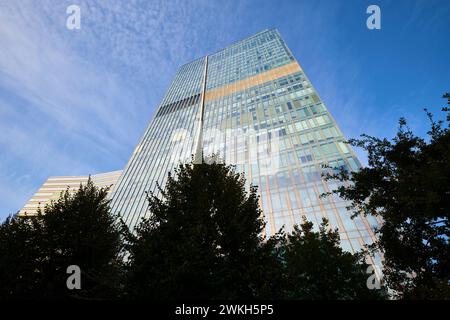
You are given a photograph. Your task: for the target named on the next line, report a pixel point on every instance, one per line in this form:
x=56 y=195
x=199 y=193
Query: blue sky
x=77 y=102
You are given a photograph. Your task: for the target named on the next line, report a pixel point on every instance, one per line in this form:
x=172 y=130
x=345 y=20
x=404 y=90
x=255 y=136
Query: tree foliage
x=316 y=267
x=406 y=183
x=202 y=240
x=77 y=229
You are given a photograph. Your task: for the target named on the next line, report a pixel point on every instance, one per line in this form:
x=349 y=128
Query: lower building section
x=52 y=188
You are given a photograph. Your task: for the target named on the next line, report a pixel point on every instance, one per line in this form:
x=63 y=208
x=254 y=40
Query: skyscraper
x=253 y=106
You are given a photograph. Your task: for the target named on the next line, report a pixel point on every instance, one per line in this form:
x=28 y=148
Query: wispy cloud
x=76 y=102
x=62 y=110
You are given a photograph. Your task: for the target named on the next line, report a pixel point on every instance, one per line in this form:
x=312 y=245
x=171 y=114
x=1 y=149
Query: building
x=52 y=188
x=252 y=104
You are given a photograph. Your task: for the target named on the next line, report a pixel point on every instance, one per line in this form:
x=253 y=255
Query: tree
x=77 y=229
x=406 y=183
x=20 y=259
x=203 y=240
x=316 y=267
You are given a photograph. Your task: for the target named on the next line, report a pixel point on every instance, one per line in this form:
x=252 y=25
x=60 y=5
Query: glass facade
x=253 y=106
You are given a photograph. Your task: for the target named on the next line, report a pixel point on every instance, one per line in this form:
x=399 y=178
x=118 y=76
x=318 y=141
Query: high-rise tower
x=251 y=104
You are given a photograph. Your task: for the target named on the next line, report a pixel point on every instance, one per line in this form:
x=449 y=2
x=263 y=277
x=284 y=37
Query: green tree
x=77 y=229
x=203 y=240
x=20 y=259
x=406 y=183
x=317 y=268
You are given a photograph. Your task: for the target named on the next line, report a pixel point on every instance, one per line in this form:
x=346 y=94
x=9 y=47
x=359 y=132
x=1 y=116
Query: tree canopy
x=77 y=229
x=316 y=267
x=406 y=183
x=203 y=240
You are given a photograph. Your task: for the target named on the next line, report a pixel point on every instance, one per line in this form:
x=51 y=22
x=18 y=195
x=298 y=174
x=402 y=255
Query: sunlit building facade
x=52 y=188
x=253 y=106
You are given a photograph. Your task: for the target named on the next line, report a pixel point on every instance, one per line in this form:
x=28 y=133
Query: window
x=353 y=165
x=276 y=203
x=282 y=132
x=320 y=120
x=345 y=244
x=278 y=109
x=293 y=199
x=343 y=147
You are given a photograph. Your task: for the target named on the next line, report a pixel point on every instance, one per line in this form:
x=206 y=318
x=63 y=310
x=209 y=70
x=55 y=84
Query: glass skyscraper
x=253 y=106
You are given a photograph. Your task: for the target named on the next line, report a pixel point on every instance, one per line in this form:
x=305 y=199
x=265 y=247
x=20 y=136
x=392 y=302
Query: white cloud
x=58 y=112
x=76 y=102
